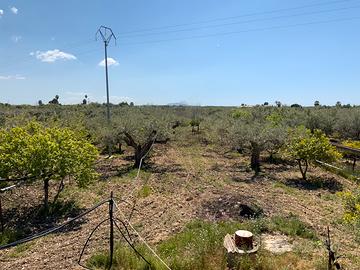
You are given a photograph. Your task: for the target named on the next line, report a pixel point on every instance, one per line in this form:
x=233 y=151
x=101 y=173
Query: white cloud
x=16 y=39
x=52 y=56
x=14 y=10
x=111 y=62
x=1 y=12
x=12 y=77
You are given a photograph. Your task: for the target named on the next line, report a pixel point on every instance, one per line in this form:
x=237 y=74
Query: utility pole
x=106 y=34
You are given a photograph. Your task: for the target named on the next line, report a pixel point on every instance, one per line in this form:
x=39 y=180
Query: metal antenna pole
x=106 y=34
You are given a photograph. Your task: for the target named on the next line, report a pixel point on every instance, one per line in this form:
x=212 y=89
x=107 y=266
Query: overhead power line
x=244 y=31
x=147 y=32
x=242 y=22
x=239 y=16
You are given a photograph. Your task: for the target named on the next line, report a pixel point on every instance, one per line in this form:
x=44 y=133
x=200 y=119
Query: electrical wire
x=242 y=22
x=191 y=37
x=238 y=16
x=243 y=31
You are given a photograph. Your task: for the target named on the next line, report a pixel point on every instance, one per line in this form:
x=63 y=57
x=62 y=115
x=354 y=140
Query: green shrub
x=351 y=201
x=9 y=236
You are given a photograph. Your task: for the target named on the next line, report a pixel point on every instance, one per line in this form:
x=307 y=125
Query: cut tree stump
x=244 y=240
x=239 y=244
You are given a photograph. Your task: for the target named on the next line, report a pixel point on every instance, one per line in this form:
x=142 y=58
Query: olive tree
x=257 y=130
x=348 y=123
x=46 y=154
x=141 y=129
x=323 y=119
x=306 y=147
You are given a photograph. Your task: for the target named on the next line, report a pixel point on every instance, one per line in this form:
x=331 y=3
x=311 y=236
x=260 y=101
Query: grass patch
x=143 y=174
x=19 y=250
x=144 y=192
x=287 y=189
x=344 y=172
x=200 y=247
x=9 y=236
x=292 y=226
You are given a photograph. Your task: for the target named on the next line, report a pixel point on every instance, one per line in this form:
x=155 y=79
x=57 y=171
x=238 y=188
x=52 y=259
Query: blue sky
x=204 y=52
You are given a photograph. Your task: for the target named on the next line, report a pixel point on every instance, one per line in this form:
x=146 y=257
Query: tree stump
x=239 y=244
x=244 y=240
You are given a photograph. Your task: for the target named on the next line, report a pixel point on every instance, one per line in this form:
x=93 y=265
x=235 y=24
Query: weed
x=144 y=192
x=9 y=236
x=287 y=189
x=19 y=250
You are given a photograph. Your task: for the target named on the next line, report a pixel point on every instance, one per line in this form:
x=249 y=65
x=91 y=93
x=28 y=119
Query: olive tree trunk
x=140 y=149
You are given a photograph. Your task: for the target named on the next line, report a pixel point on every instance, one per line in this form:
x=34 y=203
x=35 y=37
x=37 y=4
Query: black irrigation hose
x=131 y=245
x=126 y=228
x=44 y=233
x=87 y=241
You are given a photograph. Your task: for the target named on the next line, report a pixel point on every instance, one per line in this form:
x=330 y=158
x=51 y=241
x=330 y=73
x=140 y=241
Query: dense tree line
x=253 y=130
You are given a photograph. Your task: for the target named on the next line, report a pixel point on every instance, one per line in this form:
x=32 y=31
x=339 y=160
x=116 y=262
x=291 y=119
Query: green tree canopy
x=46 y=153
x=305 y=147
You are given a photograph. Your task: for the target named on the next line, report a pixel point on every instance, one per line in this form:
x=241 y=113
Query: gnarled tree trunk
x=140 y=150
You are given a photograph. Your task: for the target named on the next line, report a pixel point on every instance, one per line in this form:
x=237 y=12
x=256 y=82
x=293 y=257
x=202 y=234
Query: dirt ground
x=186 y=180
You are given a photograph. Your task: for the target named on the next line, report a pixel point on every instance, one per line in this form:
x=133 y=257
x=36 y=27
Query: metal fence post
x=111 y=214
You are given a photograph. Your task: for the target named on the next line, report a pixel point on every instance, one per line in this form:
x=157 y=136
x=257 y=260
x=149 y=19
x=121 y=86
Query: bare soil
x=188 y=180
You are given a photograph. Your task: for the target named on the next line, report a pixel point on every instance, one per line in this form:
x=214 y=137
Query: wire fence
x=114 y=219
x=119 y=217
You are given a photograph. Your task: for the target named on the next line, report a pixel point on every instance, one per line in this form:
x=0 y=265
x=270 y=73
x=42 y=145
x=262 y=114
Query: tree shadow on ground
x=316 y=183
x=249 y=176
x=124 y=170
x=227 y=207
x=28 y=220
x=276 y=168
